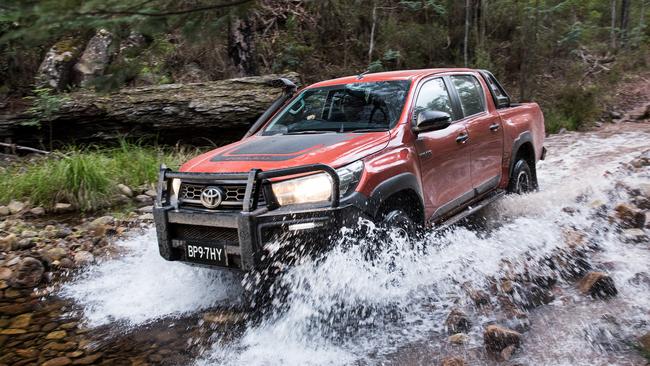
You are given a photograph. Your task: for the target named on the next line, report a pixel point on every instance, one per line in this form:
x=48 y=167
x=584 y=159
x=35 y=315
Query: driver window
x=433 y=95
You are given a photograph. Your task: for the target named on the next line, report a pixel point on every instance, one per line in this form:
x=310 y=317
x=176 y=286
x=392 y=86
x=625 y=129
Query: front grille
x=234 y=197
x=195 y=232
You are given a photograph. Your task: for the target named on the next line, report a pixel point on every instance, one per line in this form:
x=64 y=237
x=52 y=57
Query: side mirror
x=502 y=102
x=430 y=120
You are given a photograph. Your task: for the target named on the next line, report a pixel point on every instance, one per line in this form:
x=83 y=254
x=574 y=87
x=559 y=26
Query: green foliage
x=574 y=108
x=86 y=177
x=44 y=105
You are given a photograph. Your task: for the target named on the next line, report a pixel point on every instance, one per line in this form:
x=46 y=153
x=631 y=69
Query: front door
x=444 y=155
x=485 y=131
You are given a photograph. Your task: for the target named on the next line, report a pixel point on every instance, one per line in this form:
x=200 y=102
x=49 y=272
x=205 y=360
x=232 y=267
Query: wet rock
x=100 y=221
x=37 y=211
x=125 y=190
x=145 y=209
x=634 y=236
x=57 y=334
x=28 y=274
x=62 y=207
x=507 y=352
x=630 y=216
x=59 y=361
x=5 y=273
x=597 y=284
x=56 y=253
x=644 y=342
x=223 y=317
x=453 y=361
x=88 y=360
x=458 y=338
x=497 y=338
x=28 y=234
x=531 y=296
x=143 y=199
x=83 y=258
x=8 y=242
x=16 y=207
x=95 y=58
x=27 y=353
x=4 y=211
x=21 y=321
x=641 y=279
x=121 y=199
x=457 y=322
x=11 y=331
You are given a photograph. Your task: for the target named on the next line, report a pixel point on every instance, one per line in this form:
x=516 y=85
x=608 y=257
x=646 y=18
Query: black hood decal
x=280 y=147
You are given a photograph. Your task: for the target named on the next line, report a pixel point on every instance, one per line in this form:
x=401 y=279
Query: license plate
x=206 y=253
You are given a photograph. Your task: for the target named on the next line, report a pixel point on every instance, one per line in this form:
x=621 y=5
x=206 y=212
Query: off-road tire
x=397 y=219
x=522 y=179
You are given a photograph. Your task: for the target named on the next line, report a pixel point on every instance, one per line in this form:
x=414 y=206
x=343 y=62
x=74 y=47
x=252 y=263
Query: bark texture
x=216 y=111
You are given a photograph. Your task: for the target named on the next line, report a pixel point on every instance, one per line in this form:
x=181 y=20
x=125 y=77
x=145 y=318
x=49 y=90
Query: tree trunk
x=217 y=111
x=625 y=20
x=612 y=31
x=372 y=32
x=466 y=38
x=241 y=46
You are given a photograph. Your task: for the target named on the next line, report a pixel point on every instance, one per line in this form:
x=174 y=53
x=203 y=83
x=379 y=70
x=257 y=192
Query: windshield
x=355 y=107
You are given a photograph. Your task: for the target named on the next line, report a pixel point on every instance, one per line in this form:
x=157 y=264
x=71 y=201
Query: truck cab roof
x=388 y=75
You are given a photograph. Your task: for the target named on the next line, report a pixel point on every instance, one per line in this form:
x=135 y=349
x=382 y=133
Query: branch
x=165 y=13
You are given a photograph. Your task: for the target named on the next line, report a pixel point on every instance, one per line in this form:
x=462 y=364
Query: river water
x=345 y=309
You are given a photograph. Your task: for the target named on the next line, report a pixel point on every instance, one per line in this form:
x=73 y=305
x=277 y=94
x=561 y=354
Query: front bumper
x=244 y=234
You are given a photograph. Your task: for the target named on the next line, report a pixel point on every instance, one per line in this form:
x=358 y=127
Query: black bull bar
x=248 y=221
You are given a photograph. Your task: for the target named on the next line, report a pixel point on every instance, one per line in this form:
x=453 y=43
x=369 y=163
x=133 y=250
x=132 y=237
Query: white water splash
x=140 y=286
x=344 y=309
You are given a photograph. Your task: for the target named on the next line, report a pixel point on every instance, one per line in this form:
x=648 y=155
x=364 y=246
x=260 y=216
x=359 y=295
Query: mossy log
x=197 y=113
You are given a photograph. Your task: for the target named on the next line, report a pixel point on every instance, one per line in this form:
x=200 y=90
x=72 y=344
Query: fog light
x=305 y=226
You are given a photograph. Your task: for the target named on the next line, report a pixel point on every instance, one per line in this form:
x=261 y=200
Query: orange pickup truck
x=404 y=148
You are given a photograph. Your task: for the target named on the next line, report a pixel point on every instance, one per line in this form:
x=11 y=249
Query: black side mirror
x=430 y=120
x=502 y=102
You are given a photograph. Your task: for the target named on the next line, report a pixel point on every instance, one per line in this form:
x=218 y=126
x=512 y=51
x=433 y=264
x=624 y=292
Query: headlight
x=317 y=187
x=314 y=188
x=349 y=176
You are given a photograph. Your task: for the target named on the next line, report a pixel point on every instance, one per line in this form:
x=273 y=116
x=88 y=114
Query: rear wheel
x=521 y=179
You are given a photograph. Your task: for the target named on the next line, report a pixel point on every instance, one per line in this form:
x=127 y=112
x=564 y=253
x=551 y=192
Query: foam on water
x=140 y=286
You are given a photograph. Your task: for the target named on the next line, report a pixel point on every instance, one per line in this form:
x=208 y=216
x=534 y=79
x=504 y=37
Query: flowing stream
x=346 y=309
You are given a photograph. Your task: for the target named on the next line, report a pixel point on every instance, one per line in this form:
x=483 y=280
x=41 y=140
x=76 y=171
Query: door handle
x=494 y=127
x=462 y=138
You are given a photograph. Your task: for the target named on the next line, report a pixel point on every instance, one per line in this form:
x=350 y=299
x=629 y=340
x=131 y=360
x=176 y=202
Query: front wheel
x=521 y=179
x=400 y=223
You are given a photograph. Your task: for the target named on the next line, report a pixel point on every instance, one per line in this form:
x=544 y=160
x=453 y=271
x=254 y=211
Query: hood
x=283 y=151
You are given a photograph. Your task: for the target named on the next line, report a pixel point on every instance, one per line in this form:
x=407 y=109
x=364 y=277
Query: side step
x=471 y=209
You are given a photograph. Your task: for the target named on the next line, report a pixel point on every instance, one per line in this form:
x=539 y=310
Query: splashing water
x=141 y=287
x=344 y=309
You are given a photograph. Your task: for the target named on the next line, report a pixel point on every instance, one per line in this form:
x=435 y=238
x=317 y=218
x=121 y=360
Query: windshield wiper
x=361 y=130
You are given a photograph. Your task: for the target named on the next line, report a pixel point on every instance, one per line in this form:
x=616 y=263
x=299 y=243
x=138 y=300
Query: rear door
x=444 y=155
x=485 y=132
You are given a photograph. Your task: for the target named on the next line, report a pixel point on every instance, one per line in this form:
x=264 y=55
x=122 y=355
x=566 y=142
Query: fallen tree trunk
x=198 y=113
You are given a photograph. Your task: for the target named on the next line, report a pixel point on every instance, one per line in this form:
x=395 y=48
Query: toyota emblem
x=211 y=197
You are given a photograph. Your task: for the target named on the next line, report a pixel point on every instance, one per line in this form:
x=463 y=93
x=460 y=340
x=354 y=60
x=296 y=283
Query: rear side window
x=433 y=95
x=470 y=93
